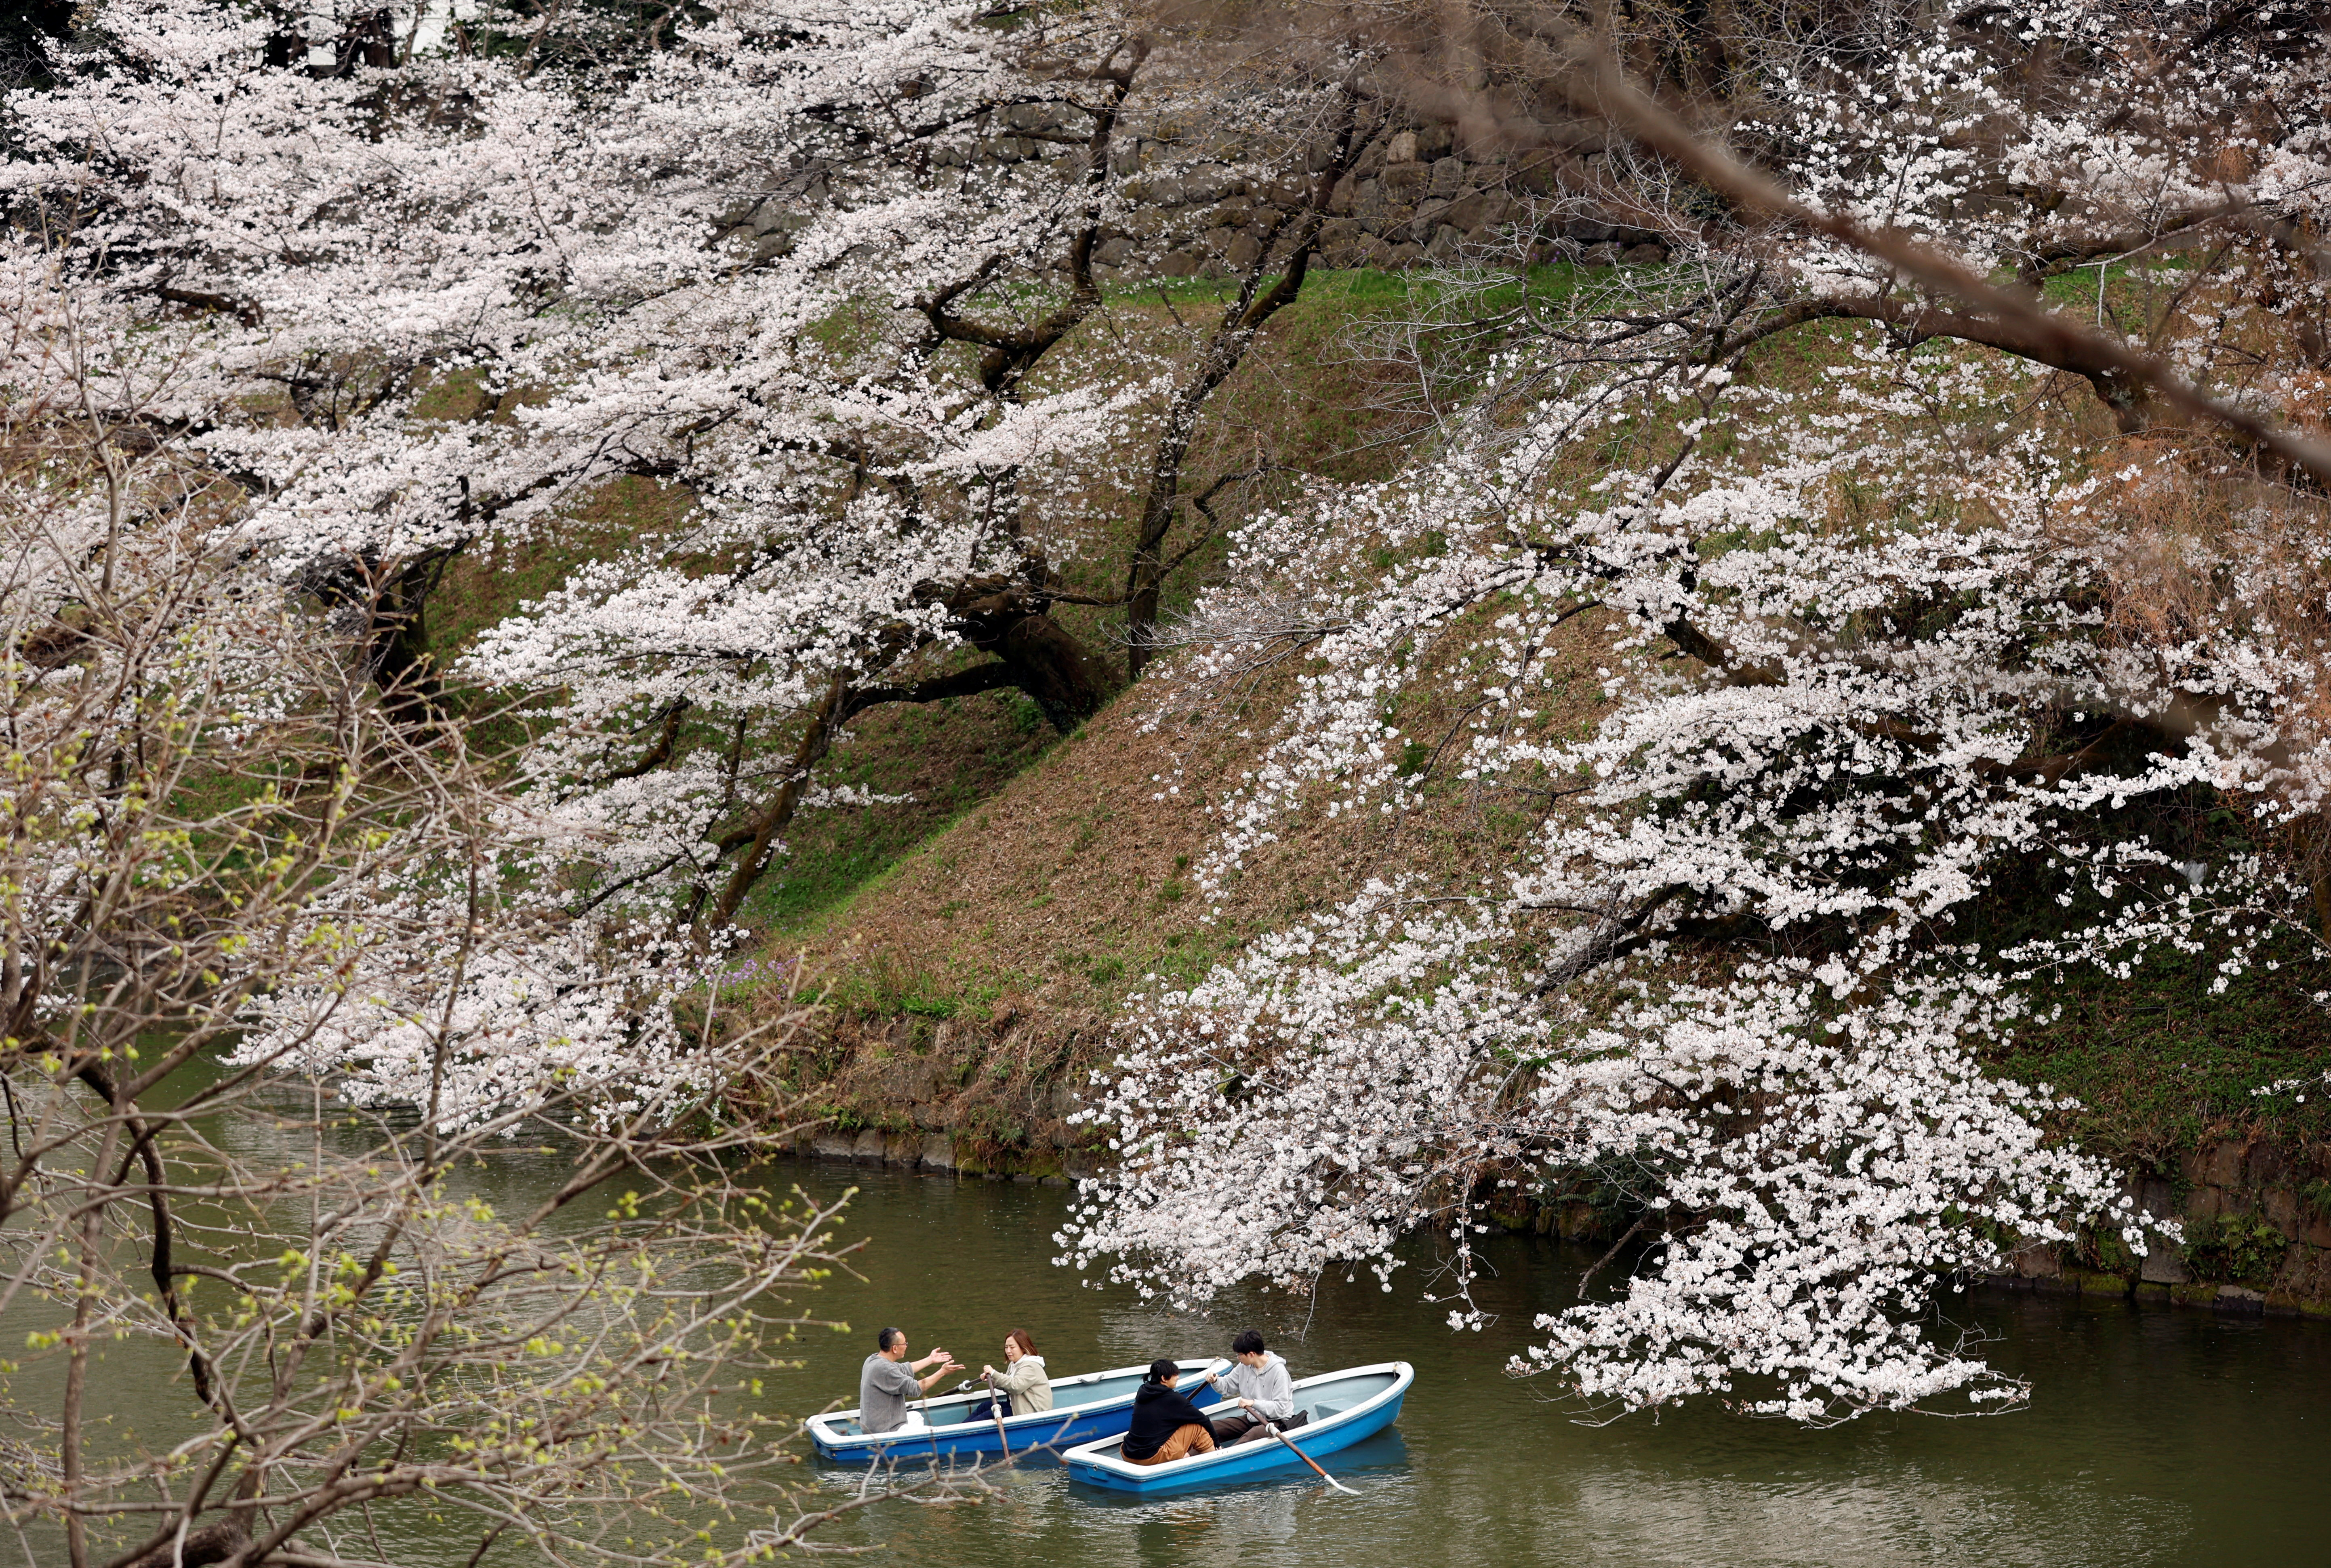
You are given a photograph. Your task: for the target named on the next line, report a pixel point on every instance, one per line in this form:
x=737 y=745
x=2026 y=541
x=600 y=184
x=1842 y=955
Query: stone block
x=1603 y=255
x=1435 y=138
x=2240 y=1298
x=1341 y=199
x=2150 y=1294
x=1533 y=172
x=1478 y=209
x=1338 y=234
x=2094 y=1282
x=2164 y=1265
x=1180 y=264
x=938 y=1153
x=2225 y=1164
x=1448 y=177
x=2039 y=1263
x=1421 y=227
x=1164 y=191
x=1115 y=252
x=1243 y=250
x=2193 y=1295
x=868 y=1146
x=1645 y=255
x=903 y=1149
x=1403 y=256
x=1212 y=183
x=2281 y=1206
x=1401 y=148
x=1124 y=155
x=1446 y=243
x=1405 y=182
x=2156 y=1196
x=2204 y=1203
x=832 y=1145
x=1080 y=1164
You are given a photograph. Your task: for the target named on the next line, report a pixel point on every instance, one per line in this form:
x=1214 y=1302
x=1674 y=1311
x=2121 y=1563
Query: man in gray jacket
x=887 y=1381
x=1260 y=1384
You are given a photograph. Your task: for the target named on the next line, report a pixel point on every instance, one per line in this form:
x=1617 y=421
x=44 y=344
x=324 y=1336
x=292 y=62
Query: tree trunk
x=1226 y=347
x=1011 y=618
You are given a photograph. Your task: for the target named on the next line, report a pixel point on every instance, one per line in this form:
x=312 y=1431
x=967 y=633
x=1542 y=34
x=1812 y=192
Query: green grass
x=2160 y=1063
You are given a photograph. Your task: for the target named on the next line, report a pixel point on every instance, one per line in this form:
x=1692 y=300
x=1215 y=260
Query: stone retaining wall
x=1204 y=202
x=992 y=1099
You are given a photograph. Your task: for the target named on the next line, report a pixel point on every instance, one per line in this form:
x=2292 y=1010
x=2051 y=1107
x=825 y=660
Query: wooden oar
x=1273 y=1427
x=996 y=1409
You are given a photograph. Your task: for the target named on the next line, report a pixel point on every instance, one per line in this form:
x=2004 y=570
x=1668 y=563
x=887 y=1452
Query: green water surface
x=2154 y=1436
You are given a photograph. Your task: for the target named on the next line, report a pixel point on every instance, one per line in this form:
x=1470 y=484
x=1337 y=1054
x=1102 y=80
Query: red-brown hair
x=1019 y=1337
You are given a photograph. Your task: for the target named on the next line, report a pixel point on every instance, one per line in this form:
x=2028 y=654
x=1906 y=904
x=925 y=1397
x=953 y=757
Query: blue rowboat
x=1100 y=1404
x=1345 y=1407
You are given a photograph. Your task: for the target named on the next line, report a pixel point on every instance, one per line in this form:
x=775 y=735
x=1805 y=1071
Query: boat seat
x=1320 y=1413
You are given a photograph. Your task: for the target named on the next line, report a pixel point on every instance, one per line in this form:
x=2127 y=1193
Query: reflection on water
x=2156 y=1439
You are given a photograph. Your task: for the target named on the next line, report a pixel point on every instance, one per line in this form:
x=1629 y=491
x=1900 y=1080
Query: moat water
x=2154 y=1438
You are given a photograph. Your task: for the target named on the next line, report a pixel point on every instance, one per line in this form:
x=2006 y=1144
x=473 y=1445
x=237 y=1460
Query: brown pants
x=1192 y=1438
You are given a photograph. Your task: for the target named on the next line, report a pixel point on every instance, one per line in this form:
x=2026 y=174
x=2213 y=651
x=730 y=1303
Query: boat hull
x=1105 y=1411
x=1379 y=1392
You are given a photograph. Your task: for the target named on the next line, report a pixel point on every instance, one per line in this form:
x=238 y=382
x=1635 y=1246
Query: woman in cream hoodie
x=1023 y=1377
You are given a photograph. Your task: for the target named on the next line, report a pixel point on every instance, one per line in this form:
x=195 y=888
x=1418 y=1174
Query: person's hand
x=933 y=1358
x=1246 y=1405
x=952 y=1365
x=985 y=1370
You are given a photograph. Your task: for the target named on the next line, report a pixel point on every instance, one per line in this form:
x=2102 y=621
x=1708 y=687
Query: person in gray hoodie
x=1260 y=1384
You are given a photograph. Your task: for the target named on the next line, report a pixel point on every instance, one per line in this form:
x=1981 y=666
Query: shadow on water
x=2155 y=1438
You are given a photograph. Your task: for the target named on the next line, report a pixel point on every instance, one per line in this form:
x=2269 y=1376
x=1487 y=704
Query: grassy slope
x=1037 y=877
x=1004 y=912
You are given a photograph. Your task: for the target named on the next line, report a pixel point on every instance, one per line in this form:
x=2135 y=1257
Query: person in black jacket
x=1166 y=1426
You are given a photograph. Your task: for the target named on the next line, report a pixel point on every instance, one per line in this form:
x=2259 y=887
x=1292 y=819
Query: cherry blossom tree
x=1884 y=649
x=812 y=266
x=281 y=977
